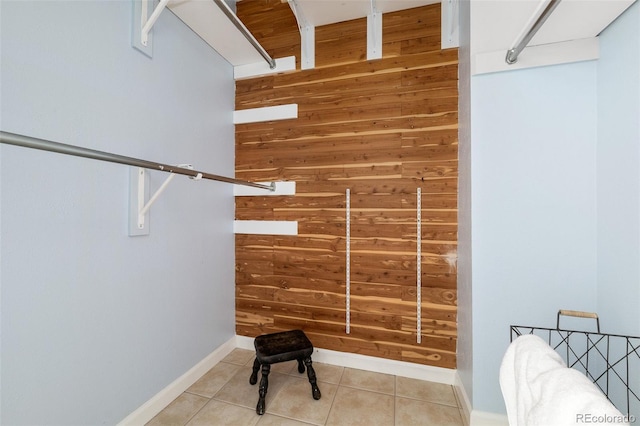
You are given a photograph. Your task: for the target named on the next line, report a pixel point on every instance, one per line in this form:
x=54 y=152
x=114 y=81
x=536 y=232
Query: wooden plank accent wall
x=383 y=129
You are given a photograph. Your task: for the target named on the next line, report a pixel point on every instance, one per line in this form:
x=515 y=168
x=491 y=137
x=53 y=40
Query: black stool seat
x=280 y=347
x=284 y=346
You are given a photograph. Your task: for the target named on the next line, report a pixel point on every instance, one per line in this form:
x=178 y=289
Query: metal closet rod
x=245 y=32
x=47 y=145
x=512 y=54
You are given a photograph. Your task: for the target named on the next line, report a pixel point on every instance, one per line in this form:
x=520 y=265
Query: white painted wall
x=554 y=201
x=619 y=175
x=533 y=177
x=94 y=322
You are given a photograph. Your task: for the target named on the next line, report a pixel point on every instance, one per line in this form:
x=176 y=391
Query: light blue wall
x=95 y=322
x=555 y=200
x=533 y=150
x=619 y=175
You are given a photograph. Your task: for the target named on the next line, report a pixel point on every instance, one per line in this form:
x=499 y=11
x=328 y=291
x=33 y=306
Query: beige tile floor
x=223 y=396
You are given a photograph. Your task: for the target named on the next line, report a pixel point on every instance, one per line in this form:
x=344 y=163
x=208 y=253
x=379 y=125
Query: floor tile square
x=367 y=380
x=410 y=412
x=180 y=411
x=361 y=407
x=271 y=420
x=239 y=391
x=240 y=356
x=288 y=367
x=219 y=413
x=426 y=391
x=325 y=372
x=295 y=401
x=214 y=379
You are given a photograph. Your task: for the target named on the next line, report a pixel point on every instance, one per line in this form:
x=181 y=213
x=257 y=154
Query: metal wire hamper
x=611 y=361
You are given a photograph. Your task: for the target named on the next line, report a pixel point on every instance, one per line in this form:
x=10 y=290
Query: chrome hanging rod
x=46 y=145
x=525 y=37
x=245 y=32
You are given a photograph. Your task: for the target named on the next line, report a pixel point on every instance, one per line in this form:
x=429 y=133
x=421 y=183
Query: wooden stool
x=280 y=347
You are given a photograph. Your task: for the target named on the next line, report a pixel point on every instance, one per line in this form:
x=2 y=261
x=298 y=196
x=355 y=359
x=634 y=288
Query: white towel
x=539 y=389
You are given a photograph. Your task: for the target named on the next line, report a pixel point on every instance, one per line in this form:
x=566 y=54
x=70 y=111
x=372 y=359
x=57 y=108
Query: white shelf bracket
x=147 y=23
x=374 y=33
x=450 y=31
x=307 y=37
x=138 y=193
x=142 y=22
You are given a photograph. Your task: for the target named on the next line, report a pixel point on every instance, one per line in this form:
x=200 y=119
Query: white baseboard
x=473 y=417
x=370 y=363
x=158 y=402
x=463 y=400
x=483 y=418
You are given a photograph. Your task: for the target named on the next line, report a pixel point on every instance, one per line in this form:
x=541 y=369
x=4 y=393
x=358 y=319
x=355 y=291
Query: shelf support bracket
x=147 y=23
x=374 y=33
x=138 y=192
x=307 y=37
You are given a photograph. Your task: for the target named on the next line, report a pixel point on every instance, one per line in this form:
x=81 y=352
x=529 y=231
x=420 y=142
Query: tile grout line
x=212 y=397
x=338 y=387
x=395 y=398
x=196 y=413
x=333 y=401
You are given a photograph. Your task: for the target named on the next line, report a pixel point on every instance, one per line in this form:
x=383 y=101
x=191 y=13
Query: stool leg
x=254 y=374
x=312 y=379
x=264 y=385
x=300 y=366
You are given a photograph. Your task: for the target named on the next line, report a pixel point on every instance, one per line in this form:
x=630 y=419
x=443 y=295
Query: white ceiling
x=496 y=24
x=323 y=12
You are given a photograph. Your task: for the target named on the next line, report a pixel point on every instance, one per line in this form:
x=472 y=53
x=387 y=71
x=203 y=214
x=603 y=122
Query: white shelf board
x=206 y=19
x=255 y=115
x=282 y=188
x=265 y=227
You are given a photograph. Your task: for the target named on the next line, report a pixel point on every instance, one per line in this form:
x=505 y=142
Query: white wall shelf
x=265 y=227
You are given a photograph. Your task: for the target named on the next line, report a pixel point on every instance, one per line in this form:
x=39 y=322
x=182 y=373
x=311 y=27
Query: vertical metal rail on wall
x=348 y=262
x=419 y=266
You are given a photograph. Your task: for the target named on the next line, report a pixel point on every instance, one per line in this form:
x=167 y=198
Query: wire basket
x=611 y=361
